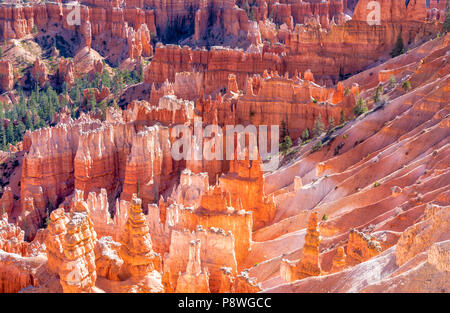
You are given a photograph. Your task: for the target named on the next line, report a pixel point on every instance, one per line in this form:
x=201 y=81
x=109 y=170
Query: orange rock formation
x=99 y=203
x=308 y=265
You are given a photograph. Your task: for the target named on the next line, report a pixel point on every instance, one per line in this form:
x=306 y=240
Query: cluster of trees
x=31 y=112
x=250 y=10
x=37 y=108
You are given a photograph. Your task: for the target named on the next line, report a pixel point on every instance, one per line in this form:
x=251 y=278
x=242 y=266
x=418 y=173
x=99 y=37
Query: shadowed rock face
x=7 y=78
x=359 y=202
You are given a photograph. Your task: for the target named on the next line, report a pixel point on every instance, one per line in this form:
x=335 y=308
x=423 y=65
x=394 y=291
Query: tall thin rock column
x=78 y=271
x=309 y=263
x=136 y=250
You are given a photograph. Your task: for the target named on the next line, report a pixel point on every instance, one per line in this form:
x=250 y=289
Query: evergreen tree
x=446 y=25
x=342 y=119
x=378 y=93
x=106 y=79
x=3 y=144
x=64 y=88
x=330 y=123
x=29 y=122
x=138 y=187
x=246 y=8
x=10 y=133
x=19 y=131
x=96 y=81
x=360 y=107
x=305 y=134
x=92 y=101
x=286 y=145
x=141 y=74
x=406 y=85
x=399 y=47
x=284 y=129
x=318 y=126
x=115 y=105
x=392 y=81
x=102 y=106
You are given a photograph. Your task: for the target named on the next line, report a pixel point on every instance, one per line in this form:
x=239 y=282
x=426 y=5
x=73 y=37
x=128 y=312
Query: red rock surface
x=77 y=271
x=358 y=205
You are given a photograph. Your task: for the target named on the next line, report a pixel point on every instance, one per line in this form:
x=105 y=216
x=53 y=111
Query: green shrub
x=446 y=26
x=378 y=93
x=318 y=127
x=360 y=107
x=305 y=134
x=399 y=47
x=286 y=145
x=392 y=81
x=317 y=146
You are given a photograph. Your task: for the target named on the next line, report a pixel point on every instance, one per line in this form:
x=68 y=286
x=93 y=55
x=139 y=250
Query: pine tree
x=392 y=81
x=10 y=138
x=92 y=101
x=446 y=25
x=252 y=14
x=127 y=78
x=406 y=85
x=378 y=92
x=360 y=107
x=286 y=145
x=106 y=79
x=399 y=47
x=96 y=81
x=115 y=105
x=29 y=122
x=2 y=137
x=330 y=123
x=247 y=7
x=284 y=129
x=141 y=74
x=19 y=131
x=342 y=119
x=318 y=126
x=305 y=134
x=102 y=106
x=138 y=187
